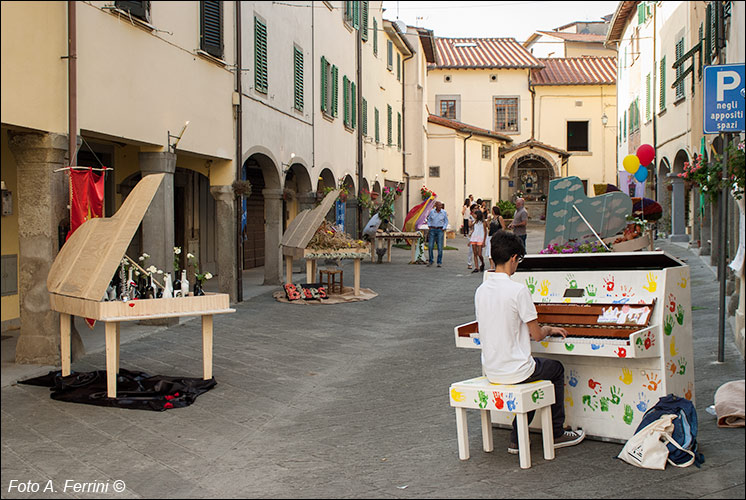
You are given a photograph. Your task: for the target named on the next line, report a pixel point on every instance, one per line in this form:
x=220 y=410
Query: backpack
x=682 y=444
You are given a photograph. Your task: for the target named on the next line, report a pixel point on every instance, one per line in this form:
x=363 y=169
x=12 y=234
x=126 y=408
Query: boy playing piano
x=507 y=323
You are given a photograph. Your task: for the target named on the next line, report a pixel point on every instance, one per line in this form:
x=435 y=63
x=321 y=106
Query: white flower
x=146 y=255
x=137 y=273
x=160 y=271
x=190 y=256
x=177 y=250
x=141 y=258
x=152 y=269
x=208 y=276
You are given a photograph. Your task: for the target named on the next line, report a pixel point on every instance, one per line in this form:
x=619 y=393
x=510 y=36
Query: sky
x=494 y=19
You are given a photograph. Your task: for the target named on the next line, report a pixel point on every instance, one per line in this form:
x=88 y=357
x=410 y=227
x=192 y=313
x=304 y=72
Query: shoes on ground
x=569 y=438
x=475 y=271
x=513 y=448
x=468 y=267
x=482 y=268
x=439 y=265
x=429 y=264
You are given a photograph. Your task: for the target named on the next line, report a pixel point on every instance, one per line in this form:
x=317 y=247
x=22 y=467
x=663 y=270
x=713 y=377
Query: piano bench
x=479 y=394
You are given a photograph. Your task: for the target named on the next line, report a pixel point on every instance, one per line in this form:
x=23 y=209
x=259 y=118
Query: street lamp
x=604 y=119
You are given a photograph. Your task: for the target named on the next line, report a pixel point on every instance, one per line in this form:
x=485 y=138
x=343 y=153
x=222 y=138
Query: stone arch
x=297 y=193
x=536 y=154
x=377 y=187
x=325 y=179
x=678 y=162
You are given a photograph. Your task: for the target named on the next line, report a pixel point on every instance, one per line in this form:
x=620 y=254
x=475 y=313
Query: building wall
x=415 y=119
x=580 y=49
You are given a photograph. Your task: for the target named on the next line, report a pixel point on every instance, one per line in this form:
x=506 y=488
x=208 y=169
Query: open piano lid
x=88 y=260
x=304 y=226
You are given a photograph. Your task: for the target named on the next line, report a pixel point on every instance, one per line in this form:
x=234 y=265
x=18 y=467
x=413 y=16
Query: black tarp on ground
x=135 y=390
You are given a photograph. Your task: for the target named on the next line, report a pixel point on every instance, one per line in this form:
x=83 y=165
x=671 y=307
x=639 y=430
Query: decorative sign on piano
x=629 y=342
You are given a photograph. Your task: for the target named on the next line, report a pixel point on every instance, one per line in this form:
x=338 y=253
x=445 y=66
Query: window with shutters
x=679 y=69
x=662 y=90
x=375 y=37
x=297 y=79
x=260 y=55
x=352 y=13
x=398 y=130
x=335 y=91
x=364 y=123
x=620 y=131
x=398 y=66
x=648 y=110
x=377 y=125
x=364 y=11
x=325 y=87
x=388 y=112
x=346 y=100
x=140 y=10
x=389 y=55
x=506 y=114
x=211 y=27
x=577 y=136
x=624 y=127
x=353 y=105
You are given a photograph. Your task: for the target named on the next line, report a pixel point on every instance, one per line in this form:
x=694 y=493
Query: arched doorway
x=530 y=174
x=296 y=186
x=664 y=194
x=256 y=223
x=679 y=199
x=351 y=205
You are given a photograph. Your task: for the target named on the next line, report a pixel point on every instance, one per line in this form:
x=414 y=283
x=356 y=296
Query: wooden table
x=390 y=236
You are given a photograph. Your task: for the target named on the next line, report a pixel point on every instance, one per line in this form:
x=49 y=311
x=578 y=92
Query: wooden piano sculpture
x=629 y=323
x=299 y=234
x=84 y=267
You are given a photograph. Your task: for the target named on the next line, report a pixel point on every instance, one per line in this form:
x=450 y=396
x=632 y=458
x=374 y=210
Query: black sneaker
x=569 y=438
x=513 y=448
x=439 y=265
x=429 y=264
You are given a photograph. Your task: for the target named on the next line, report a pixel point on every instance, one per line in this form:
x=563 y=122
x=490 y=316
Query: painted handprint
x=537 y=395
x=616 y=395
x=652 y=383
x=682 y=366
x=668 y=324
x=544 y=288
x=642 y=402
x=499 y=403
x=671 y=302
x=672 y=368
x=628 y=415
x=590 y=402
x=621 y=352
x=626 y=376
x=609 y=283
x=688 y=393
x=672 y=346
x=591 y=290
x=457 y=396
x=626 y=292
x=568 y=398
x=596 y=347
x=649 y=340
x=571 y=282
x=683 y=281
x=511 y=402
x=531 y=284
x=680 y=314
x=569 y=347
x=482 y=399
x=596 y=386
x=652 y=283
x=573 y=380
x=604 y=403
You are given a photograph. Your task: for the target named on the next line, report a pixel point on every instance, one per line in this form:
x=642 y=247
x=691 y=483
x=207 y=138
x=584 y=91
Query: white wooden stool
x=479 y=394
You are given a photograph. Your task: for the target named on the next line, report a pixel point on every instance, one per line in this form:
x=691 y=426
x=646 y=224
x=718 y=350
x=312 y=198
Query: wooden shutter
x=356 y=14
x=388 y=112
x=353 y=107
x=647 y=98
x=398 y=130
x=324 y=85
x=375 y=36
x=335 y=91
x=679 y=69
x=364 y=21
x=398 y=66
x=377 y=121
x=346 y=99
x=298 y=78
x=260 y=56
x=364 y=124
x=211 y=27
x=662 y=97
x=140 y=10
x=389 y=54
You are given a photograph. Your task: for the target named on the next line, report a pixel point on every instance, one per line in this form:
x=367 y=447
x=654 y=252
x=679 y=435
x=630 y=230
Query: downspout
x=655 y=115
x=405 y=174
x=359 y=98
x=533 y=102
x=72 y=82
x=239 y=155
x=466 y=139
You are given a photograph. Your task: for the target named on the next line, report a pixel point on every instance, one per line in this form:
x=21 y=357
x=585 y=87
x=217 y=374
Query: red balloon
x=646 y=154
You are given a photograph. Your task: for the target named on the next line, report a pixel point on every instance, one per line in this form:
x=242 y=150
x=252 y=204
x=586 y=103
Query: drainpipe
x=466 y=139
x=533 y=103
x=239 y=156
x=655 y=115
x=405 y=174
x=359 y=98
x=72 y=82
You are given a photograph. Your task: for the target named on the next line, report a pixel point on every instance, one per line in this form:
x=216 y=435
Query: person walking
x=520 y=220
x=465 y=210
x=478 y=235
x=437 y=223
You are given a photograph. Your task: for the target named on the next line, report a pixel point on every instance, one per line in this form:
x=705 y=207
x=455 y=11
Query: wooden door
x=252 y=225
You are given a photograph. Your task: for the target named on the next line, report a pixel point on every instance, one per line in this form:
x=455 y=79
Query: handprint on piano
x=628 y=415
x=649 y=340
x=604 y=403
x=682 y=366
x=537 y=395
x=499 y=403
x=621 y=352
x=626 y=376
x=573 y=380
x=568 y=398
x=596 y=386
x=596 y=347
x=672 y=368
x=544 y=289
x=626 y=292
x=652 y=282
x=683 y=281
x=609 y=283
x=680 y=314
x=569 y=347
x=591 y=290
x=511 y=402
x=672 y=346
x=671 y=302
x=652 y=383
x=688 y=393
x=616 y=395
x=531 y=284
x=457 y=396
x=668 y=324
x=571 y=282
x=590 y=403
x=482 y=399
x=642 y=402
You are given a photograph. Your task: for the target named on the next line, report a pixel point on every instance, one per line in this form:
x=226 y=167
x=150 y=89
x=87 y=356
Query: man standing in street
x=520 y=220
x=437 y=222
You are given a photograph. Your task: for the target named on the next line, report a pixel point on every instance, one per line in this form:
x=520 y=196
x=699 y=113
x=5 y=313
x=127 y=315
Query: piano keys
x=630 y=334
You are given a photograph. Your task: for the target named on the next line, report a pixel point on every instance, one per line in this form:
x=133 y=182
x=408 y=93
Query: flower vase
x=168 y=291
x=198 y=292
x=184 y=284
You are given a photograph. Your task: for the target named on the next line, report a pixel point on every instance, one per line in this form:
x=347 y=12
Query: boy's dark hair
x=496 y=211
x=479 y=201
x=504 y=245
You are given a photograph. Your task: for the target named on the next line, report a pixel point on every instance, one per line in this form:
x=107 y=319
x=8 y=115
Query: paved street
x=349 y=400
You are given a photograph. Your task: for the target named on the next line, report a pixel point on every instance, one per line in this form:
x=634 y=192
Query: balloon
x=646 y=154
x=641 y=174
x=631 y=163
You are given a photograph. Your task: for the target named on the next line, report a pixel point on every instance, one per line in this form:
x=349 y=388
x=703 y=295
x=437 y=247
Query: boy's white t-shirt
x=503 y=309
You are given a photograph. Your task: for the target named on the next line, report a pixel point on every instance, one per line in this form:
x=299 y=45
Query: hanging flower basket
x=242 y=188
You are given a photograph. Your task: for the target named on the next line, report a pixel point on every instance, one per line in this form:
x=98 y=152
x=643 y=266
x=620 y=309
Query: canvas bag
x=648 y=448
x=683 y=439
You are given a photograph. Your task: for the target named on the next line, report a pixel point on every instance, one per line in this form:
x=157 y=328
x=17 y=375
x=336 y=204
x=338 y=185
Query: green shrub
x=507 y=208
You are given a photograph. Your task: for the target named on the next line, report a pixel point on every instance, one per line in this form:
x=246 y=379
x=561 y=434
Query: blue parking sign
x=724 y=98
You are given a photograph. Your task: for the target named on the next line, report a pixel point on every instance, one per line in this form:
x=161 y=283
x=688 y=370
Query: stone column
x=706 y=233
x=678 y=217
x=158 y=222
x=351 y=217
x=696 y=218
x=272 y=236
x=225 y=219
x=43 y=197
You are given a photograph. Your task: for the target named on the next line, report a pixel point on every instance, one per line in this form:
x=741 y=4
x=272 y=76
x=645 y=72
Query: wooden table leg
x=112 y=348
x=388 y=249
x=314 y=271
x=118 y=344
x=65 y=343
x=207 y=346
x=412 y=246
x=373 y=247
x=309 y=270
x=288 y=269
x=357 y=276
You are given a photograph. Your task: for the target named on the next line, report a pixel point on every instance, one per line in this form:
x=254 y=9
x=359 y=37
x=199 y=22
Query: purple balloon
x=641 y=174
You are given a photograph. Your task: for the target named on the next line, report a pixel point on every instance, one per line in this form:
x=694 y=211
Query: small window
x=448 y=108
x=506 y=114
x=260 y=56
x=211 y=27
x=389 y=55
x=434 y=171
x=297 y=79
x=486 y=151
x=577 y=136
x=377 y=121
x=140 y=10
x=390 y=124
x=375 y=37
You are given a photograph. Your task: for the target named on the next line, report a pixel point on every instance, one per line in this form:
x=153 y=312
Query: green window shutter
x=364 y=124
x=298 y=78
x=335 y=91
x=398 y=130
x=620 y=131
x=388 y=112
x=211 y=27
x=346 y=99
x=353 y=108
x=377 y=121
x=641 y=13
x=356 y=14
x=389 y=54
x=375 y=37
x=662 y=103
x=324 y=84
x=398 y=66
x=625 y=125
x=647 y=97
x=364 y=21
x=679 y=52
x=260 y=56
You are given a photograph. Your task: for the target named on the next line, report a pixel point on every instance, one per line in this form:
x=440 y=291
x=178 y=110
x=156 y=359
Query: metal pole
x=238 y=200
x=721 y=254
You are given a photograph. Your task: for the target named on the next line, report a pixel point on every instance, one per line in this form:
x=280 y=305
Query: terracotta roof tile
x=575 y=71
x=463 y=127
x=483 y=53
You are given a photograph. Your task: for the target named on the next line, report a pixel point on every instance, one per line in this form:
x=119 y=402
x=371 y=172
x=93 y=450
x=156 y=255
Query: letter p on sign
x=722 y=86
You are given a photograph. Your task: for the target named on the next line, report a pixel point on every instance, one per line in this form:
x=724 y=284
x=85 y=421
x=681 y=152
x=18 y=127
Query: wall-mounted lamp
x=604 y=119
x=288 y=164
x=384 y=170
x=172 y=147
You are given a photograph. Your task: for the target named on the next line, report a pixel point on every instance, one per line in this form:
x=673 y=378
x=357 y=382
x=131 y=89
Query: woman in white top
x=478 y=237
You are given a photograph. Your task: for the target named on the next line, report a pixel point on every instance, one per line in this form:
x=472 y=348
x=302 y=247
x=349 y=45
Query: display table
x=390 y=236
